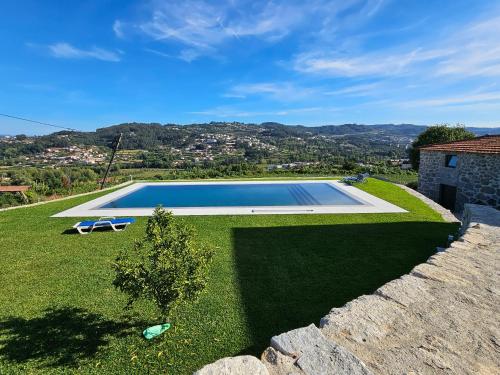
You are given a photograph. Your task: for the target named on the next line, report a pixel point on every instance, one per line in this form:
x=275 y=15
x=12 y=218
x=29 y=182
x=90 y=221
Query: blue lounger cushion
x=86 y=227
x=119 y=221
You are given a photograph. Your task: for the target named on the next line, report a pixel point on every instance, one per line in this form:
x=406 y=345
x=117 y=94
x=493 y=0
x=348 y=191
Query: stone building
x=460 y=172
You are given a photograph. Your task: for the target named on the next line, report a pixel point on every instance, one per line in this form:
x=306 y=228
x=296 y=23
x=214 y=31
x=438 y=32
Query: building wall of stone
x=477 y=177
x=479 y=180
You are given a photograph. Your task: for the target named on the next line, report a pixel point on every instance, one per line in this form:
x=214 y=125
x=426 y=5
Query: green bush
x=10 y=199
x=166 y=266
x=437 y=134
x=32 y=195
x=413 y=185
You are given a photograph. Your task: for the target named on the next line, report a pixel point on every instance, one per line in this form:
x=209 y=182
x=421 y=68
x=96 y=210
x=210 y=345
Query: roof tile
x=487 y=144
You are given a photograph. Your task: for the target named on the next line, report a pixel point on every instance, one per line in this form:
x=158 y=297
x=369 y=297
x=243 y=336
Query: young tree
x=167 y=265
x=437 y=134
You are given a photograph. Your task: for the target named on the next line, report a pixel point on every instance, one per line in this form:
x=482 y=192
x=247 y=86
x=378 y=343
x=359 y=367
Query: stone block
x=406 y=291
x=316 y=355
x=241 y=365
x=278 y=363
x=365 y=319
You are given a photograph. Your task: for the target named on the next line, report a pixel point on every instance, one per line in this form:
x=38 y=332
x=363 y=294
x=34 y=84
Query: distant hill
x=484 y=131
x=142 y=135
x=235 y=140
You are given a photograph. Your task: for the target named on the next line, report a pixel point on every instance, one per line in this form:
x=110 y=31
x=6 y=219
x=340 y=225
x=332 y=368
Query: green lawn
x=60 y=313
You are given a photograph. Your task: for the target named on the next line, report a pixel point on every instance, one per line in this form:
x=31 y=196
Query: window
x=451 y=161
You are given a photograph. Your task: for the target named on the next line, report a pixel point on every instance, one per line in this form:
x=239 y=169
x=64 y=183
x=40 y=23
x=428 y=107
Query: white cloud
x=372 y=64
x=189 y=54
x=159 y=53
x=67 y=51
x=273 y=21
x=191 y=23
x=475 y=98
x=231 y=112
x=479 y=52
x=203 y=27
x=371 y=7
x=356 y=90
x=282 y=91
x=201 y=24
x=471 y=51
x=118 y=28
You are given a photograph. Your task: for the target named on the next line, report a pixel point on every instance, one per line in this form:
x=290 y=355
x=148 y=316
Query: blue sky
x=90 y=64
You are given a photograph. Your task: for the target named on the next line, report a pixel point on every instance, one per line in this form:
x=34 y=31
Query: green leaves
x=437 y=134
x=167 y=265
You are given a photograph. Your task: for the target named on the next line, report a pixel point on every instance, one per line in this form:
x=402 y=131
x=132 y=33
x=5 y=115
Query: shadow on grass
x=96 y=230
x=290 y=277
x=70 y=231
x=60 y=337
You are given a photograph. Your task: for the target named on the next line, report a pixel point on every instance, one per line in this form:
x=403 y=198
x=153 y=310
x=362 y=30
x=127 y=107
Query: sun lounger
x=86 y=227
x=355 y=179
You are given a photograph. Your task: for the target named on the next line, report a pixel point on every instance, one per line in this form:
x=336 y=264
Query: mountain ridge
x=237 y=142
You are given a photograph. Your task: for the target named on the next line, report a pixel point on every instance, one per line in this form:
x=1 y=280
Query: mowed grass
x=59 y=312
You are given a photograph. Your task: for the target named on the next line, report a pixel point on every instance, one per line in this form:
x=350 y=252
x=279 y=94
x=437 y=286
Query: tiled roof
x=488 y=144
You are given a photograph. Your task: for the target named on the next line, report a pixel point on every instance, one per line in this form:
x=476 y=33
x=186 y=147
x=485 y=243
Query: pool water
x=234 y=195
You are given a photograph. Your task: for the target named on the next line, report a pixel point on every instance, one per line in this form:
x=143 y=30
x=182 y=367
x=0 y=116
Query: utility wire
x=115 y=146
x=39 y=122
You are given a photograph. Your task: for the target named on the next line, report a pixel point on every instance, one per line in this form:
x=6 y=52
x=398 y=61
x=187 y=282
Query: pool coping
x=371 y=204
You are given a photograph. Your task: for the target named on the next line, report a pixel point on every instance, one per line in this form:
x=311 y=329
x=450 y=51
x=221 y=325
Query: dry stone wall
x=442 y=318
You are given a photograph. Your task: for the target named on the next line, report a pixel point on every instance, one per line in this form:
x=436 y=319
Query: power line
x=39 y=122
x=115 y=146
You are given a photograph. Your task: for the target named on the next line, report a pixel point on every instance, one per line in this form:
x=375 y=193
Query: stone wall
x=447 y=215
x=442 y=318
x=479 y=180
x=477 y=177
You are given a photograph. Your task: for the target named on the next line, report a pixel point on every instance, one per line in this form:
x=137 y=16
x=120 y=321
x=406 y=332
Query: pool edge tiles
x=369 y=203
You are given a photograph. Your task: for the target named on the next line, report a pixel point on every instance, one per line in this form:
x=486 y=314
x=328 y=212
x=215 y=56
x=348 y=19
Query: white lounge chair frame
x=102 y=222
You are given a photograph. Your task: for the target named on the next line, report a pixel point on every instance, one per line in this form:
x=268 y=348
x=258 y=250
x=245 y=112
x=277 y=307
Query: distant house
x=405 y=164
x=402 y=163
x=460 y=172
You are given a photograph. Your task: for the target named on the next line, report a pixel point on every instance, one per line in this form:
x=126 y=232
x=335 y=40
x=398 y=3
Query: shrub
x=349 y=166
x=413 y=185
x=9 y=199
x=167 y=265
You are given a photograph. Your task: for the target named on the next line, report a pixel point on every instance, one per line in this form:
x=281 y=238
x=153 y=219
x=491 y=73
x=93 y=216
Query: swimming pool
x=233 y=198
x=233 y=195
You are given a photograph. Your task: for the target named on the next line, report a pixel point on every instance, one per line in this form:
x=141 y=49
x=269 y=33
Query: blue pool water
x=233 y=195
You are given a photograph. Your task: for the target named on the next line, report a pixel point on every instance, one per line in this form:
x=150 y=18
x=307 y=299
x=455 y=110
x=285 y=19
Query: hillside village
x=275 y=145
